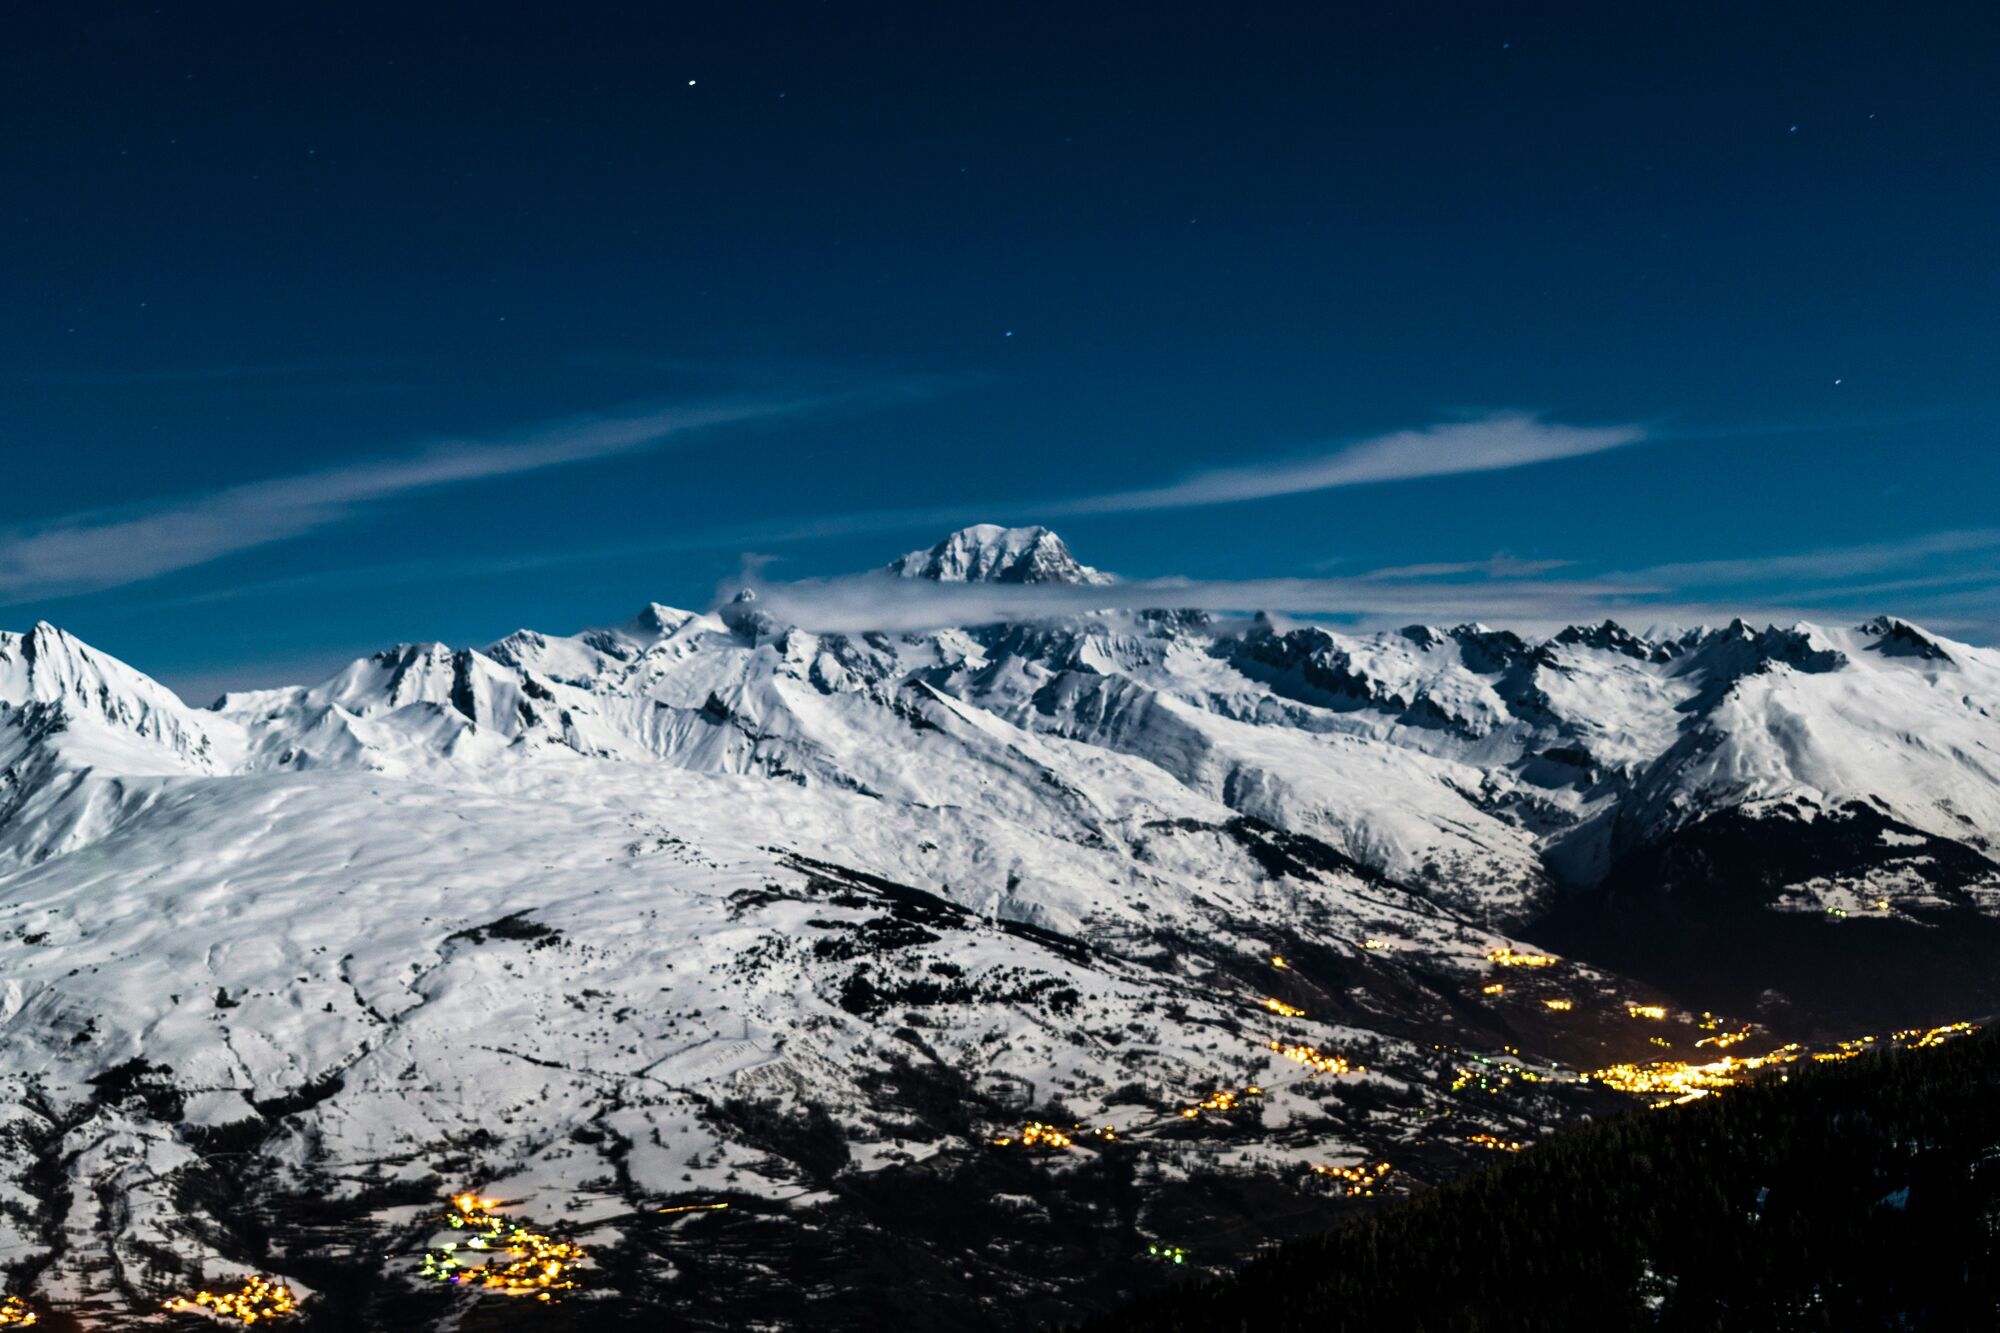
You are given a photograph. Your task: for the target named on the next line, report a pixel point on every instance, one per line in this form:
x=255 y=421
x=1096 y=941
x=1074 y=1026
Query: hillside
x=1864 y=1195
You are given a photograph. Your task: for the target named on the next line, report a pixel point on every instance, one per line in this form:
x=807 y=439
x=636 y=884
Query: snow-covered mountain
x=707 y=907
x=86 y=741
x=988 y=553
x=1485 y=768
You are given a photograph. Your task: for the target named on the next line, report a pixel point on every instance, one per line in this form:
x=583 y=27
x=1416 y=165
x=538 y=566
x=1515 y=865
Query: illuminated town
x=1491 y=1075
x=259 y=1300
x=1678 y=1082
x=1507 y=956
x=1355 y=1181
x=1226 y=1100
x=1920 y=1038
x=14 y=1313
x=1037 y=1135
x=517 y=1260
x=1313 y=1059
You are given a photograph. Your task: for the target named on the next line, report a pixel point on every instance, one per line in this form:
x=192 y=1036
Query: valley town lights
x=259 y=1300
x=535 y=1264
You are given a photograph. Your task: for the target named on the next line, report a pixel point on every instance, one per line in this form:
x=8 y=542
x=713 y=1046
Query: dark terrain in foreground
x=1855 y=1196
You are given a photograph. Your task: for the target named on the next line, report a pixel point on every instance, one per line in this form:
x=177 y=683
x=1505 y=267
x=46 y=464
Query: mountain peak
x=49 y=669
x=1610 y=636
x=1900 y=638
x=989 y=553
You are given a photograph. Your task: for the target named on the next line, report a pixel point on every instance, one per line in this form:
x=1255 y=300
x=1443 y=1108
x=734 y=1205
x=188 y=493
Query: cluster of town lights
x=1676 y=1082
x=1493 y=1074
x=1279 y=1007
x=259 y=1300
x=1846 y=1050
x=1035 y=1134
x=1224 y=1101
x=1507 y=956
x=1919 y=1038
x=523 y=1262
x=1355 y=1181
x=1495 y=1143
x=1313 y=1059
x=14 y=1313
x=1042 y=1136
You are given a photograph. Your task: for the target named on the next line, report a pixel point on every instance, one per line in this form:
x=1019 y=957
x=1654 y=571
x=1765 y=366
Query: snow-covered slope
x=85 y=741
x=705 y=906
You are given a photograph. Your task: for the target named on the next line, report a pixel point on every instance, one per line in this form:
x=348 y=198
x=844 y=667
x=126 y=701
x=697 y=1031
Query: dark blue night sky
x=326 y=326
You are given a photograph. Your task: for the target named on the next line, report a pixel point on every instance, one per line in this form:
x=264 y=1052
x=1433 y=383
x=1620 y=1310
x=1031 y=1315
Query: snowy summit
x=988 y=553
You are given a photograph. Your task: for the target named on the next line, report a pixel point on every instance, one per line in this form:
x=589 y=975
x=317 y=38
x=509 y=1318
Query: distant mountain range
x=708 y=907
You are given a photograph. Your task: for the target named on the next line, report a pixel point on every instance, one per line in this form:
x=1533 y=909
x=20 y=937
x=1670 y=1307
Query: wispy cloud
x=85 y=552
x=1494 y=567
x=880 y=602
x=1811 y=585
x=1490 y=444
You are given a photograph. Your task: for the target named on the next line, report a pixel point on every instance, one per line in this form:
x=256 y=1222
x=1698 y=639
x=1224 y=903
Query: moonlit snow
x=538 y=909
